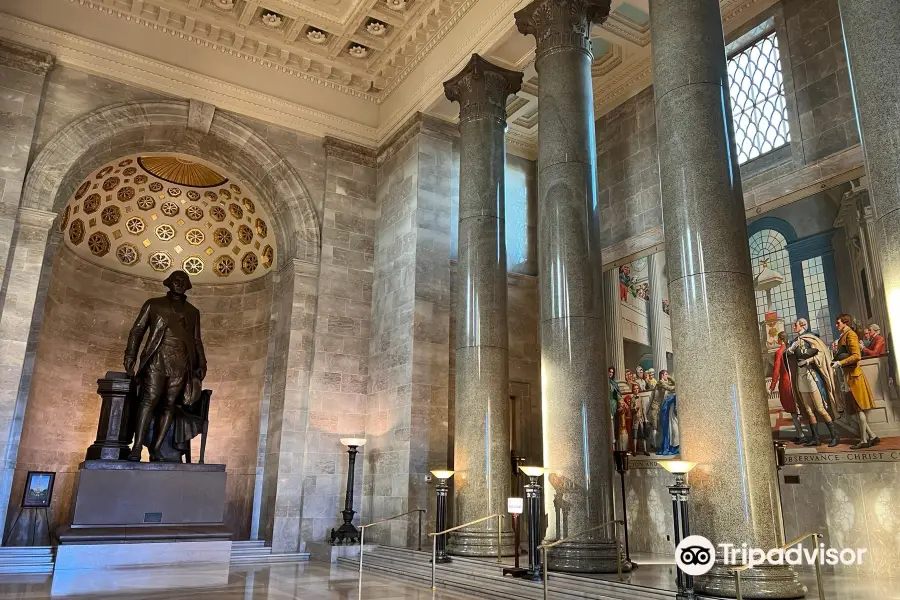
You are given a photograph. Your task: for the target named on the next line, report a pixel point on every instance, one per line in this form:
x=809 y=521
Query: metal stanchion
x=821 y=587
x=499 y=536
x=544 y=568
x=362 y=547
x=433 y=560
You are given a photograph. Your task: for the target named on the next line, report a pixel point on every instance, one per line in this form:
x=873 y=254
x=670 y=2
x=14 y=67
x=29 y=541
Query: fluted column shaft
x=656 y=264
x=481 y=446
x=612 y=311
x=870 y=32
x=577 y=435
x=723 y=418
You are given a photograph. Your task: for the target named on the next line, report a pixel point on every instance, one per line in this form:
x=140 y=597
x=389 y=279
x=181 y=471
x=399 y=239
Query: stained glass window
x=820 y=317
x=757 y=99
x=770 y=245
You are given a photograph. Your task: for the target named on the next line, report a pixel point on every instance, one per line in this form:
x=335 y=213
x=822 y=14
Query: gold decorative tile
x=209 y=251
x=117 y=234
x=256 y=244
x=236 y=250
x=154 y=216
x=93 y=222
x=146 y=243
x=178 y=248
x=180 y=221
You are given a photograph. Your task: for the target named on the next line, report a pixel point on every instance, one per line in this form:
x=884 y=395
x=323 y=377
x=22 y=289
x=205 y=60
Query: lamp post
x=621 y=458
x=442 y=488
x=679 y=492
x=533 y=499
x=347 y=532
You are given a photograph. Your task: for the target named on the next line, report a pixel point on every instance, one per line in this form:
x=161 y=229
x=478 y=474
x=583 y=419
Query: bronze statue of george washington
x=172 y=364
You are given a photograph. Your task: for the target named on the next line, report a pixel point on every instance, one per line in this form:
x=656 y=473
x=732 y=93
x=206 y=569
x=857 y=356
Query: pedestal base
x=586 y=557
x=481 y=544
x=763 y=581
x=97 y=568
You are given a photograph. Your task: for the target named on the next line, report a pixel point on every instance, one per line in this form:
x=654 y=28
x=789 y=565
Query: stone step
x=248 y=544
x=24 y=559
x=269 y=558
x=484 y=577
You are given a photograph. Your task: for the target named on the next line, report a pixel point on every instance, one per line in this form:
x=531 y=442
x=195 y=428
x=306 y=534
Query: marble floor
x=321 y=581
x=306 y=580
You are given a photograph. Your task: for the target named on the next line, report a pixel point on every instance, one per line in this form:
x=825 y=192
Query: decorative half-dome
x=151 y=214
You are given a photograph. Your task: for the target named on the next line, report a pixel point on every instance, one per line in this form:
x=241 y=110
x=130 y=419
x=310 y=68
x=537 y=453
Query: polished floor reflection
x=321 y=581
x=309 y=581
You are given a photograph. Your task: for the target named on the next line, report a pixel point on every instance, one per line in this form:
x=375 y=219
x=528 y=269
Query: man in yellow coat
x=847 y=358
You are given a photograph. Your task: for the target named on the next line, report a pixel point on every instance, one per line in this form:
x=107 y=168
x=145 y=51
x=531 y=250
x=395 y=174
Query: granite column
x=656 y=265
x=873 y=48
x=723 y=419
x=481 y=455
x=577 y=435
x=612 y=313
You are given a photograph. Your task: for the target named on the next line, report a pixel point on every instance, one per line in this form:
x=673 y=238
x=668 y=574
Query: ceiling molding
x=140 y=71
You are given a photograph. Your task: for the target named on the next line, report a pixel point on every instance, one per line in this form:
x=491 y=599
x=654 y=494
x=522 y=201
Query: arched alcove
x=85 y=308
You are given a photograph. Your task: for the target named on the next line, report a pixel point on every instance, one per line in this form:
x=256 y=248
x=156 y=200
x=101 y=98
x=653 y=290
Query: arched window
x=770 y=245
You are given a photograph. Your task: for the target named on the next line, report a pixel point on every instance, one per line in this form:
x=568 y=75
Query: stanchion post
x=420 y=530
x=737 y=585
x=362 y=547
x=618 y=550
x=499 y=540
x=816 y=538
x=433 y=560
x=544 y=568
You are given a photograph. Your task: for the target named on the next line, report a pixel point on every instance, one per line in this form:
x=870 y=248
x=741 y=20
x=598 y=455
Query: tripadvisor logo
x=696 y=555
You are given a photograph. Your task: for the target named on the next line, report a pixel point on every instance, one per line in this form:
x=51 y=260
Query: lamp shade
x=442 y=474
x=353 y=441
x=677 y=466
x=533 y=471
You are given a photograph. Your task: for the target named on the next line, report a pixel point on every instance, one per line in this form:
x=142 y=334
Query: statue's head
x=178 y=282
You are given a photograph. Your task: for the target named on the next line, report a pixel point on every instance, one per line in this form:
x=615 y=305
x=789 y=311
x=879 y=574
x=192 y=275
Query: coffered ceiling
x=352 y=68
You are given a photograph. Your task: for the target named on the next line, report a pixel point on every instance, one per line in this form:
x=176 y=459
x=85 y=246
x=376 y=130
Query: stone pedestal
x=724 y=419
x=481 y=446
x=129 y=516
x=113 y=440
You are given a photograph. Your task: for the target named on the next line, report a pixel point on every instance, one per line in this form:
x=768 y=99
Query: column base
x=589 y=556
x=481 y=544
x=764 y=581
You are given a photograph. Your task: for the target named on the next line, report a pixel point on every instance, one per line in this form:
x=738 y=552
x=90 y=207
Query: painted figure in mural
x=625 y=281
x=650 y=378
x=875 y=345
x=624 y=420
x=847 y=359
x=663 y=388
x=640 y=378
x=614 y=394
x=781 y=379
x=172 y=364
x=812 y=381
x=640 y=429
x=669 y=437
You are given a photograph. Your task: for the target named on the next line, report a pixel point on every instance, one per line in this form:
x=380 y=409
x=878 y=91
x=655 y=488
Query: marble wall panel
x=852 y=504
x=86 y=319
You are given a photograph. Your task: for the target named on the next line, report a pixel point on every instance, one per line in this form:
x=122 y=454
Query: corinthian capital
x=482 y=88
x=562 y=23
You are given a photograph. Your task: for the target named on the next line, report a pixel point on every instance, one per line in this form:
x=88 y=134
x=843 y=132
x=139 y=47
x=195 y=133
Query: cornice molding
x=350 y=152
x=24 y=58
x=309 y=61
x=623 y=84
x=140 y=71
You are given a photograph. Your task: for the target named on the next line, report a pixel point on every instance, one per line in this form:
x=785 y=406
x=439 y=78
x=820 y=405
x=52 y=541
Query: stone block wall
x=628 y=170
x=407 y=413
x=821 y=81
x=88 y=314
